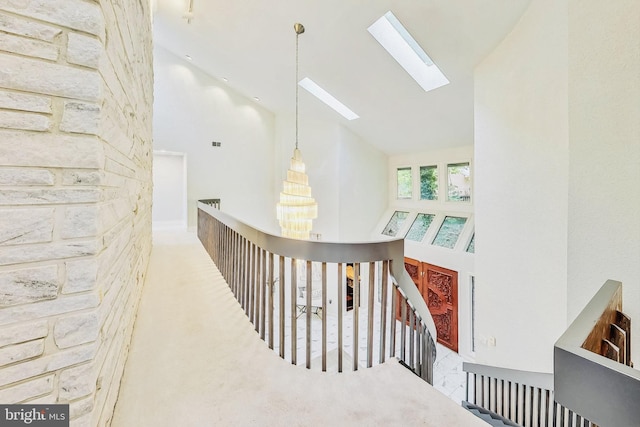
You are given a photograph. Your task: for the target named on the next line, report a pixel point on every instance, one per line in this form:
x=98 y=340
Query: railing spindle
x=341 y=293
x=309 y=288
x=403 y=327
x=372 y=272
x=412 y=338
x=272 y=291
x=241 y=270
x=546 y=409
x=539 y=406
x=282 y=277
x=245 y=275
x=529 y=407
x=254 y=283
x=421 y=350
x=263 y=292
x=466 y=386
x=228 y=244
x=501 y=397
x=356 y=311
x=234 y=263
x=294 y=312
x=383 y=309
x=324 y=316
x=490 y=394
x=517 y=405
x=392 y=321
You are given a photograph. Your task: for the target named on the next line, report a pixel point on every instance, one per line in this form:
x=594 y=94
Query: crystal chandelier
x=297 y=208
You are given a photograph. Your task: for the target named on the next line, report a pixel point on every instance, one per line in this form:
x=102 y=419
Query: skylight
x=392 y=35
x=327 y=98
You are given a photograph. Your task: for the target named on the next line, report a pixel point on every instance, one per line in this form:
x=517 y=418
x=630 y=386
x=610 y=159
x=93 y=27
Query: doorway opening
x=169 y=190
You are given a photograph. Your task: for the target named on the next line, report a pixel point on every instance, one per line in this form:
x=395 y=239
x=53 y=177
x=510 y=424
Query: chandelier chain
x=297 y=36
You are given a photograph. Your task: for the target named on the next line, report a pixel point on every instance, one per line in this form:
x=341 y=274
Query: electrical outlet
x=491 y=341
x=216 y=144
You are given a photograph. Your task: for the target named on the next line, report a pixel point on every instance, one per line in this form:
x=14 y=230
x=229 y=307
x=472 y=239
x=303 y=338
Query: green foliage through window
x=459 y=182
x=405 y=182
x=449 y=231
x=394 y=224
x=419 y=227
x=472 y=245
x=428 y=182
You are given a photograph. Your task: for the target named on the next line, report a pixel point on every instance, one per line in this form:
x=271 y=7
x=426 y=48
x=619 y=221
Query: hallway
x=195 y=360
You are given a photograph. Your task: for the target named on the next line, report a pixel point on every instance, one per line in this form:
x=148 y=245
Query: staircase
x=593 y=381
x=487 y=416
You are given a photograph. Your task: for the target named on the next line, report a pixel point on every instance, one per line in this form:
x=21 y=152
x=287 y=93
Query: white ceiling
x=252 y=44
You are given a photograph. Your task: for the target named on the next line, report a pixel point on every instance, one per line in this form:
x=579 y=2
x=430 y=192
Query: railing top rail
x=534 y=379
x=334 y=252
x=310 y=250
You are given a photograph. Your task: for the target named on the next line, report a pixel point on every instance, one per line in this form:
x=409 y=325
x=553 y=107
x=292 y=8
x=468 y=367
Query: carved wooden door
x=440 y=291
x=439 y=288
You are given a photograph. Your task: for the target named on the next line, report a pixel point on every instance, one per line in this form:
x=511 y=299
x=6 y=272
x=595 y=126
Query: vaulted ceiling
x=251 y=43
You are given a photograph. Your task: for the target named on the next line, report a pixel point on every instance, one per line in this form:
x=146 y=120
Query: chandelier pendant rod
x=299 y=28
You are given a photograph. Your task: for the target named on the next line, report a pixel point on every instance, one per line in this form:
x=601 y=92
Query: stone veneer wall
x=76 y=89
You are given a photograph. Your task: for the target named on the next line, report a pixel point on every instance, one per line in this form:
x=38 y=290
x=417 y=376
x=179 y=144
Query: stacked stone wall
x=76 y=94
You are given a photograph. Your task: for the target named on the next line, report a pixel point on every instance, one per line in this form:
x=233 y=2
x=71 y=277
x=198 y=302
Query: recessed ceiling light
x=224 y=79
x=327 y=98
x=392 y=35
x=188 y=57
x=256 y=98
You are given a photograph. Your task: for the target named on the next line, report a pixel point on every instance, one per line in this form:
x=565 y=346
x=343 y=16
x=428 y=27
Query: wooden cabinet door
x=440 y=291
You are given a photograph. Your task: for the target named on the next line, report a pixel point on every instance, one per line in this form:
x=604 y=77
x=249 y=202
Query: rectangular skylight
x=327 y=98
x=392 y=35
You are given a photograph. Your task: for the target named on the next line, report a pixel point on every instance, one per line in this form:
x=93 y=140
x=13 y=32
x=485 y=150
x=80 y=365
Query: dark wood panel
x=601 y=329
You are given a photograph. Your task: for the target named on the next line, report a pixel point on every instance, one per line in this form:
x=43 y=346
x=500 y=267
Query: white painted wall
x=362 y=186
x=604 y=147
x=454 y=259
x=521 y=185
x=169 y=190
x=192 y=109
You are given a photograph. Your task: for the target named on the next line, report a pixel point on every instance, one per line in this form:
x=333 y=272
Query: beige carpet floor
x=195 y=360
